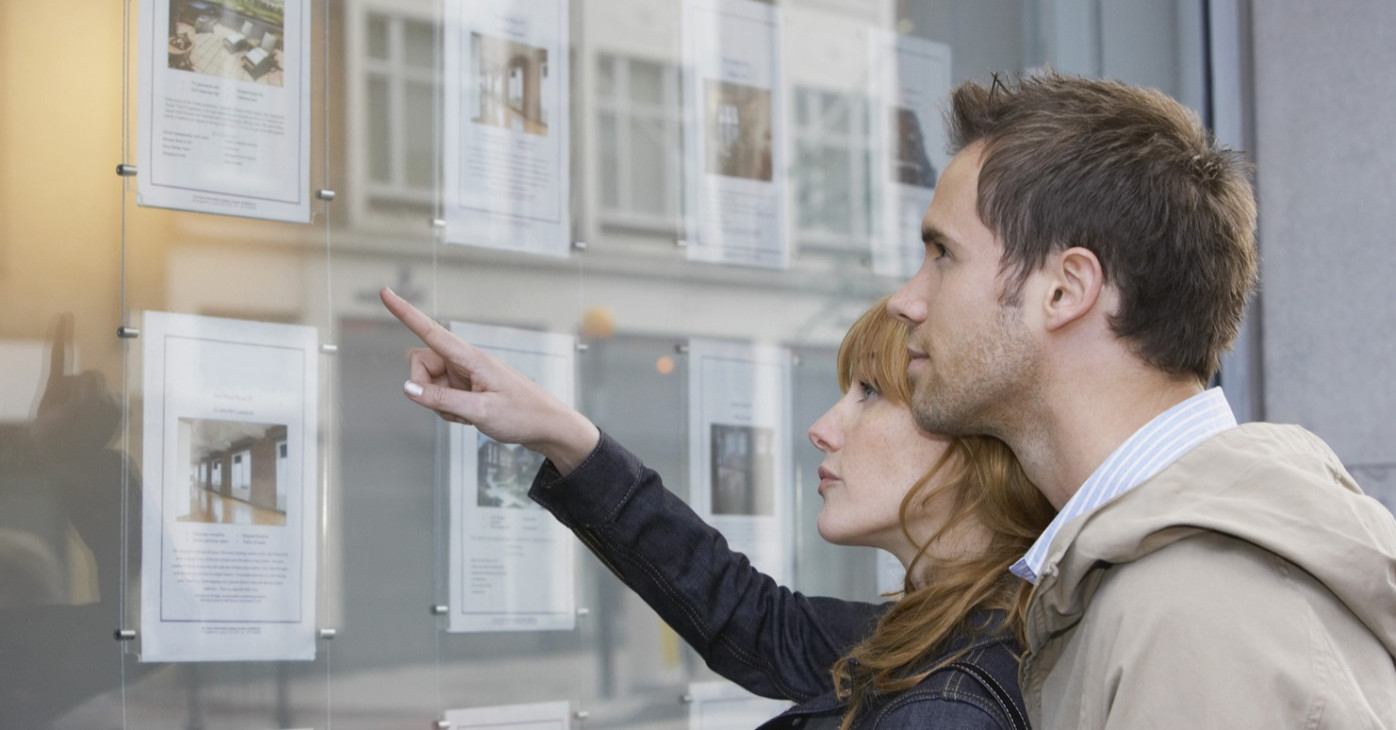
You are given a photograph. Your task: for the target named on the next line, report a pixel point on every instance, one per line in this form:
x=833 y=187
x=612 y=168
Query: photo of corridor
x=509 y=84
x=238 y=473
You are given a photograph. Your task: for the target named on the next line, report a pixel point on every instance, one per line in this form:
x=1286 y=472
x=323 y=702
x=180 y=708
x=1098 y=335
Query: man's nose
x=909 y=303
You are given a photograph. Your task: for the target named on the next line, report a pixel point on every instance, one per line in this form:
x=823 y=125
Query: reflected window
x=640 y=144
x=398 y=87
x=831 y=167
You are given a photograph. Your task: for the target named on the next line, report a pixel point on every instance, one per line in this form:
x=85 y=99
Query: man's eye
x=939 y=249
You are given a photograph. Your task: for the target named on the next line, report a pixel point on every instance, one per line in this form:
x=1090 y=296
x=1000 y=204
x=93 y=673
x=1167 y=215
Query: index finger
x=427 y=329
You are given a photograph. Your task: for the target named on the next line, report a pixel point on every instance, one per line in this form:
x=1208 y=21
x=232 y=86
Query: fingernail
x=412 y=389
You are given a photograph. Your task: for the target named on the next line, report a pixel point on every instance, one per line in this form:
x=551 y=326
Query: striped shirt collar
x=1159 y=443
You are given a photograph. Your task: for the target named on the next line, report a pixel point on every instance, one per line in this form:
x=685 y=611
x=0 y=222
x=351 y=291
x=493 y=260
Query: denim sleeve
x=766 y=638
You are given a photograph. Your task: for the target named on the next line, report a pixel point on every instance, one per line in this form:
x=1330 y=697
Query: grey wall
x=1325 y=99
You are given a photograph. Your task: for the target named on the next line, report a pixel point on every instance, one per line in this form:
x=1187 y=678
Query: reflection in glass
x=649 y=194
x=379 y=147
x=376 y=36
x=419 y=44
x=419 y=140
x=646 y=82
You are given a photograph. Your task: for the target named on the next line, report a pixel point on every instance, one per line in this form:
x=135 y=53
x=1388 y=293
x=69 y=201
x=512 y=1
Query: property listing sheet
x=511 y=563
x=734 y=134
x=228 y=533
x=722 y=705
x=911 y=83
x=537 y=716
x=505 y=136
x=224 y=107
x=739 y=448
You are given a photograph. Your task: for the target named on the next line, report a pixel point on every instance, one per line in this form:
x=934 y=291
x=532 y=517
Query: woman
x=957 y=512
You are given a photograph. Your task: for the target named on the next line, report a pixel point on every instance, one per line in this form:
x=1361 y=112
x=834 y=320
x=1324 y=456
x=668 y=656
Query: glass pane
x=834 y=109
x=605 y=76
x=70 y=513
x=647 y=166
x=646 y=82
x=419 y=44
x=609 y=167
x=809 y=188
x=419 y=135
x=837 y=192
x=377 y=40
x=380 y=148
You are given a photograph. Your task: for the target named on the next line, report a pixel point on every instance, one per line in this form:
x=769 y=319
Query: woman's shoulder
x=977 y=690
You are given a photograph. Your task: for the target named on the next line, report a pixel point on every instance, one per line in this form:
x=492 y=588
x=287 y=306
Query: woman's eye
x=868 y=390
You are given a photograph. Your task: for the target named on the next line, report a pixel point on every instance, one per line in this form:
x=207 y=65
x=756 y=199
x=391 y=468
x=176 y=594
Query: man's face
x=972 y=358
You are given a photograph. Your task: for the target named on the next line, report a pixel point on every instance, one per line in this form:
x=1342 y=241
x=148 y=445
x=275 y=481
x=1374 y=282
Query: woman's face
x=873 y=454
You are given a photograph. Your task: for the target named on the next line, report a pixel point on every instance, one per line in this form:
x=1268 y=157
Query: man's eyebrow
x=931 y=234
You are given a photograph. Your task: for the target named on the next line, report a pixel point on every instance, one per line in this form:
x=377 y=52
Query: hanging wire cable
x=124 y=569
x=329 y=328
x=439 y=487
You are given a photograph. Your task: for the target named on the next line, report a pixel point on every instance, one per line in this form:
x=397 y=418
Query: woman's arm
x=770 y=640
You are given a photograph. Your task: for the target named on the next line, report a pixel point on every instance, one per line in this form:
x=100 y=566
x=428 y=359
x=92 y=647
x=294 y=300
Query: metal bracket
x=681 y=349
x=685 y=699
x=326 y=634
x=441 y=725
x=583 y=611
x=583 y=347
x=329 y=349
x=325 y=194
x=128 y=333
x=124 y=634
x=579 y=246
x=581 y=714
x=126 y=170
x=440 y=610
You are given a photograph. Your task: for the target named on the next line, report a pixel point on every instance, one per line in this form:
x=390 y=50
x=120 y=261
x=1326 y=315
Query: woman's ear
x=1075 y=280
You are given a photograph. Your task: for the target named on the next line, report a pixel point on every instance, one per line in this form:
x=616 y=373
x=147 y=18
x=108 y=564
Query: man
x=1089 y=252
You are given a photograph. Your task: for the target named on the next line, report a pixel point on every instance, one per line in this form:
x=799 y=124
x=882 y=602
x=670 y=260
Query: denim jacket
x=774 y=642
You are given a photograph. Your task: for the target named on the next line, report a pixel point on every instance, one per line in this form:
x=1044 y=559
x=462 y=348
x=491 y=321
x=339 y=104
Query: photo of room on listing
x=233 y=39
x=912 y=162
x=505 y=473
x=743 y=470
x=509 y=79
x=237 y=472
x=738 y=128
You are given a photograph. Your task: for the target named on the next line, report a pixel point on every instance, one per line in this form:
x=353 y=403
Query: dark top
x=774 y=642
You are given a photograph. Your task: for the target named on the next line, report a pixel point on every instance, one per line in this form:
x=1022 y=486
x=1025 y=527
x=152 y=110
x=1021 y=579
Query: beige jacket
x=1249 y=585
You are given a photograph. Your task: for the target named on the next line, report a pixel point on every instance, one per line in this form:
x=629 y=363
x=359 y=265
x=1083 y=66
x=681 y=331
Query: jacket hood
x=1278 y=487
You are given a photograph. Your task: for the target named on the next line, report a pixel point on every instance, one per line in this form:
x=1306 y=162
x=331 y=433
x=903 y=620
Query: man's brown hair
x=1132 y=176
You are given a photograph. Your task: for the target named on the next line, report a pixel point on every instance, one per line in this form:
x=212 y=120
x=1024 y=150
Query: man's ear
x=1074 y=281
